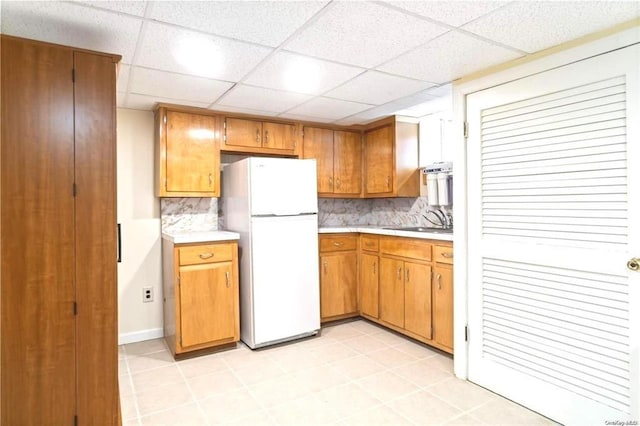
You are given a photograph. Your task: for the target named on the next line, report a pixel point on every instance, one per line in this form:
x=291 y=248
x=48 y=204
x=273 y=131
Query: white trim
x=140 y=336
x=462 y=209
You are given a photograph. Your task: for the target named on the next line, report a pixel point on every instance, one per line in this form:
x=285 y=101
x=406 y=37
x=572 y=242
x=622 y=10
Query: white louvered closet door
x=554 y=216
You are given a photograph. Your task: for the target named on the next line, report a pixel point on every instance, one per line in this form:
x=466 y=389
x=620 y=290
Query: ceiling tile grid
x=345 y=62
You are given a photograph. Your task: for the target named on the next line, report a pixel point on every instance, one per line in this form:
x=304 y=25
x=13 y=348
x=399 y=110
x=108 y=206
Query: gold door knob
x=634 y=264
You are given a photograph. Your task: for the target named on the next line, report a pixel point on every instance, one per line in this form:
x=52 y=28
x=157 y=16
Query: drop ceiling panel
x=542 y=24
x=258 y=98
x=377 y=88
x=453 y=13
x=144 y=102
x=362 y=33
x=449 y=57
x=264 y=22
x=132 y=7
x=146 y=81
x=169 y=48
x=329 y=108
x=228 y=108
x=72 y=25
x=300 y=117
x=295 y=73
x=123 y=78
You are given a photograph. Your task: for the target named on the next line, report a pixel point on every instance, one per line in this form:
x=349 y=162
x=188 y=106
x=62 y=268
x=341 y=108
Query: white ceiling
x=342 y=62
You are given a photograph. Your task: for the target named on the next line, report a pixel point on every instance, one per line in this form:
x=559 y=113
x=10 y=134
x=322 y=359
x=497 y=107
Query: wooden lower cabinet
x=443 y=297
x=201 y=295
x=338 y=277
x=368 y=286
x=406 y=284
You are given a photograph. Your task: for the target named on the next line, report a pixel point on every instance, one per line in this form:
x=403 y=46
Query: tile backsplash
x=378 y=211
x=205 y=214
x=189 y=214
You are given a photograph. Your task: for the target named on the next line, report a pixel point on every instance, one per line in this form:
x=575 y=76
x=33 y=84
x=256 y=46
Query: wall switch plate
x=147 y=294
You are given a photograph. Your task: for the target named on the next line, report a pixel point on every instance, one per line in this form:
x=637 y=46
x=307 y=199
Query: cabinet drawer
x=406 y=247
x=338 y=243
x=443 y=254
x=209 y=253
x=369 y=243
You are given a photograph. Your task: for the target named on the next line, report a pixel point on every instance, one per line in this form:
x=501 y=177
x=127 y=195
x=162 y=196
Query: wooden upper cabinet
x=256 y=136
x=339 y=158
x=391 y=159
x=279 y=136
x=318 y=144
x=188 y=155
x=379 y=161
x=239 y=132
x=347 y=163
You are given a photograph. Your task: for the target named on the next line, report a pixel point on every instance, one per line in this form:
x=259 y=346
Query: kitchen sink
x=422 y=229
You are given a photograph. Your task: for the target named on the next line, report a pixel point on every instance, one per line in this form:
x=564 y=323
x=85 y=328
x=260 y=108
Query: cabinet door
x=207 y=303
x=278 y=136
x=417 y=298
x=369 y=272
x=338 y=285
x=318 y=144
x=38 y=345
x=191 y=157
x=347 y=168
x=392 y=291
x=443 y=305
x=241 y=132
x=379 y=160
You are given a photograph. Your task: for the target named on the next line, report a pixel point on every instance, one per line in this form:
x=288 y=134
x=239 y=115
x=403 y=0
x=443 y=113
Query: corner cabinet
x=187 y=154
x=338 y=276
x=391 y=159
x=201 y=295
x=259 y=137
x=339 y=160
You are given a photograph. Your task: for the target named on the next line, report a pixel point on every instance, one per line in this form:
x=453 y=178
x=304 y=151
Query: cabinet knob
x=325 y=266
x=407 y=277
x=438 y=276
x=266 y=137
x=374 y=267
x=226 y=275
x=399 y=273
x=206 y=255
x=388 y=182
x=258 y=135
x=634 y=264
x=338 y=244
x=447 y=255
x=210 y=179
x=338 y=183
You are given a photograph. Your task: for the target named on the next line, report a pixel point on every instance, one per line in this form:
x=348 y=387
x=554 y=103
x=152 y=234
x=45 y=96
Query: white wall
x=139 y=215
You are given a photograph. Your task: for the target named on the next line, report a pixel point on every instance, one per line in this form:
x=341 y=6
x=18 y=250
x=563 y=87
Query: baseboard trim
x=140 y=336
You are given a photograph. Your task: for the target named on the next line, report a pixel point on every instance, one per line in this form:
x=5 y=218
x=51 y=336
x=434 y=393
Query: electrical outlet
x=147 y=294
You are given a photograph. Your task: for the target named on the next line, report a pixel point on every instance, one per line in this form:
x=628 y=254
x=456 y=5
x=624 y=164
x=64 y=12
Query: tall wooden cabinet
x=58 y=241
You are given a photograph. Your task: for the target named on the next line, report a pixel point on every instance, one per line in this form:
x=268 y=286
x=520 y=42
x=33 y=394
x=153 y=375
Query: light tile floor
x=354 y=373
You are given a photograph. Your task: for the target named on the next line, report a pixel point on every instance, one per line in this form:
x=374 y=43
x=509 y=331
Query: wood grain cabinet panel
x=259 y=137
x=391 y=159
x=338 y=276
x=443 y=304
x=187 y=154
x=201 y=295
x=58 y=284
x=417 y=298
x=339 y=158
x=369 y=273
x=207 y=303
x=392 y=291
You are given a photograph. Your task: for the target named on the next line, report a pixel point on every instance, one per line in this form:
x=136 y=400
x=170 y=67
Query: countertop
x=379 y=230
x=200 y=237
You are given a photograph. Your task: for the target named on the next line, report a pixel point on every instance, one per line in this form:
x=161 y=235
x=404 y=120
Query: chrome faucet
x=445 y=219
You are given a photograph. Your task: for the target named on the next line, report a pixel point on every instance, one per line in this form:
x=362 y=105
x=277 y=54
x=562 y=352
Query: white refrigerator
x=272 y=203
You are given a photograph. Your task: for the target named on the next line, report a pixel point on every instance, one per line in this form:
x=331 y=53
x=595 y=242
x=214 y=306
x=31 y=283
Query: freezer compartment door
x=283 y=186
x=286 y=288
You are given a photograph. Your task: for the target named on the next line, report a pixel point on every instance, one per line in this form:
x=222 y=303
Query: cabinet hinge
x=466 y=129
x=302 y=133
x=466 y=333
x=224 y=137
x=224 y=124
x=73 y=75
x=164 y=119
x=75 y=308
x=178 y=280
x=74 y=189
